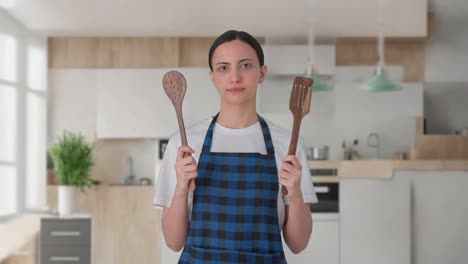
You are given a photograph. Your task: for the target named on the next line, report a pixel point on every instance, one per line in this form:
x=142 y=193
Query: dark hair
x=231 y=35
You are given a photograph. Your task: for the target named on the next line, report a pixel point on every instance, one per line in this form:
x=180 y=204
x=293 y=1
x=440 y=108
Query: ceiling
x=212 y=17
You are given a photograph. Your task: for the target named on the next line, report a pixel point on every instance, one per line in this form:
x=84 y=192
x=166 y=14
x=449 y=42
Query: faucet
x=376 y=145
x=130 y=179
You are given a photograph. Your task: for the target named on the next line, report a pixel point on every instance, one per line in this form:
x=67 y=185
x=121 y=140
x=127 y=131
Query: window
x=23 y=98
x=8 y=126
x=8 y=61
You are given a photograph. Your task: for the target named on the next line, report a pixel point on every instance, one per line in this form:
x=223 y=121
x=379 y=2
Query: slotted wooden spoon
x=175 y=86
x=299 y=104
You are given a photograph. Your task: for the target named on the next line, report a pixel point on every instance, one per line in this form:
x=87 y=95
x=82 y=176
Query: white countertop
x=326 y=216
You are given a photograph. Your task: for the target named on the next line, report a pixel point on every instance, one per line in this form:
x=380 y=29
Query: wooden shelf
x=323 y=179
x=383 y=168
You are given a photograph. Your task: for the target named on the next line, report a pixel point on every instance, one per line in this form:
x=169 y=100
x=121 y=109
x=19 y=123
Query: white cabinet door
x=375 y=221
x=323 y=245
x=130 y=103
x=72 y=102
x=133 y=104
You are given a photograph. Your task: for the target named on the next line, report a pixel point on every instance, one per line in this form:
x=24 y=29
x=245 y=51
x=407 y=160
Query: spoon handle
x=183 y=138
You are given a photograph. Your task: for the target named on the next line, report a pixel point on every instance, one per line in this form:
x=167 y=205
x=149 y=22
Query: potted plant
x=73 y=159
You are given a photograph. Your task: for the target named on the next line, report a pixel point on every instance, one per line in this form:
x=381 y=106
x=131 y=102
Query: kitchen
x=86 y=75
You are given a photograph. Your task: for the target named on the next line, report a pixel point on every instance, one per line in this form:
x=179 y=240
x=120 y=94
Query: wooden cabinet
x=65 y=240
x=375 y=221
x=126 y=227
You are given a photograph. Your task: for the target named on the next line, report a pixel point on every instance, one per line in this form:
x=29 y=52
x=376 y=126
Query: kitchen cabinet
x=133 y=104
x=65 y=240
x=72 y=102
x=375 y=221
x=126 y=227
x=439 y=215
x=324 y=242
x=323 y=245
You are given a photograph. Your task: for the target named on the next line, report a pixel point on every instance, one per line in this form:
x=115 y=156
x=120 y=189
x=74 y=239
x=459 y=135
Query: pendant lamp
x=380 y=82
x=319 y=85
x=311 y=71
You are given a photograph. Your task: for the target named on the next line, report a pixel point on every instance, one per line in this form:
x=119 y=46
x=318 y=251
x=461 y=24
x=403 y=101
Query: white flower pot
x=66 y=195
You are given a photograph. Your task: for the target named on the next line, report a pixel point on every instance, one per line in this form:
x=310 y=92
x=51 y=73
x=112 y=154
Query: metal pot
x=317 y=153
x=464 y=131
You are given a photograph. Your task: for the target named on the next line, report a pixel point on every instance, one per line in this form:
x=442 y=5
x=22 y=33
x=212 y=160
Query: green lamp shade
x=380 y=83
x=318 y=86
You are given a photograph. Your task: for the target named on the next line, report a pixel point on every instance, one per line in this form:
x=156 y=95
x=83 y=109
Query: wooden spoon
x=175 y=86
x=299 y=104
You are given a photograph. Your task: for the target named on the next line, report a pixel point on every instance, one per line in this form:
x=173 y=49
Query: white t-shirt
x=249 y=139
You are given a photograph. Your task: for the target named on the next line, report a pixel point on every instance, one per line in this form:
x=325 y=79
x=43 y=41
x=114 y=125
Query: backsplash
x=111 y=156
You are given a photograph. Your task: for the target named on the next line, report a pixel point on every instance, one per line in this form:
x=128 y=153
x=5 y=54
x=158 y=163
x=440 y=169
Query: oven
x=326 y=186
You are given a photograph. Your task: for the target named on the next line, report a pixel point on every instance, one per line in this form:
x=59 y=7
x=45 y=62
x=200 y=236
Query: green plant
x=73 y=159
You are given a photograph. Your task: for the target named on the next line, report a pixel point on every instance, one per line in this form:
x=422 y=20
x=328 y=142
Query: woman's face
x=236 y=72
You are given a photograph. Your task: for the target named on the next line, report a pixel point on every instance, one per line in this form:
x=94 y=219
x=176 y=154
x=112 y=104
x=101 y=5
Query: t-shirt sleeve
x=307 y=186
x=165 y=186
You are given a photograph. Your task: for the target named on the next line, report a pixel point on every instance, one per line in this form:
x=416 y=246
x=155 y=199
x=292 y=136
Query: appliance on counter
x=373 y=141
x=327 y=195
x=350 y=153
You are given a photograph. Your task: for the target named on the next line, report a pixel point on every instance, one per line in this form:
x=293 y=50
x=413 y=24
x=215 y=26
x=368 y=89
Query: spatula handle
x=294 y=136
x=293 y=144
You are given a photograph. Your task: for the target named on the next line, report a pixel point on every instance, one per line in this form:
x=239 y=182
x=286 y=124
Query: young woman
x=239 y=160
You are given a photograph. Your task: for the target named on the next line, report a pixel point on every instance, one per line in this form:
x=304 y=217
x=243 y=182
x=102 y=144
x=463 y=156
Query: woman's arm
x=298 y=220
x=298 y=224
x=175 y=219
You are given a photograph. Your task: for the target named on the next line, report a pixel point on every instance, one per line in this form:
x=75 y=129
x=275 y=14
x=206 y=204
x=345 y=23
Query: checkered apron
x=235 y=214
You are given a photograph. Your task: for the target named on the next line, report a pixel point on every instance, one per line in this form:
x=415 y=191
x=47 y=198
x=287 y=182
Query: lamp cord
x=380 y=22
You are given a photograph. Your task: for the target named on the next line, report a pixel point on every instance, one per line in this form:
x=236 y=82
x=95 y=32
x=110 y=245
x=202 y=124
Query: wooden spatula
x=175 y=86
x=299 y=104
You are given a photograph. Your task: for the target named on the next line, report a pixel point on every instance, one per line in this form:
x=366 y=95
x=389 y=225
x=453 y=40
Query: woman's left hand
x=290 y=176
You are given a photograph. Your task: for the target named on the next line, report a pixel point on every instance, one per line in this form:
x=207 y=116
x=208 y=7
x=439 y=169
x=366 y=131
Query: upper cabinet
x=358 y=18
x=133 y=104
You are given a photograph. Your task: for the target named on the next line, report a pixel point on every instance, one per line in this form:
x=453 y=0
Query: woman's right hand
x=186 y=168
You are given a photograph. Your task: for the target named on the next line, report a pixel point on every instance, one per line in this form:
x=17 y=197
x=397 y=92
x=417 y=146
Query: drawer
x=66 y=232
x=65 y=255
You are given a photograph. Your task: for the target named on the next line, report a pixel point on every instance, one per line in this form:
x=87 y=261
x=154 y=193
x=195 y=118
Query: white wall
x=447 y=50
x=445 y=107
x=349 y=113
x=446 y=68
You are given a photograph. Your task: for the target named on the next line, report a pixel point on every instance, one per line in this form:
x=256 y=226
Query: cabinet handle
x=70 y=259
x=65 y=233
x=322 y=189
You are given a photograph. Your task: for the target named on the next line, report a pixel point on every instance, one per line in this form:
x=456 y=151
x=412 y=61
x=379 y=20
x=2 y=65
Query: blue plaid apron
x=235 y=214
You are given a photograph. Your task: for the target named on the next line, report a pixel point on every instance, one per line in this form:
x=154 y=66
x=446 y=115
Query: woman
x=239 y=160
